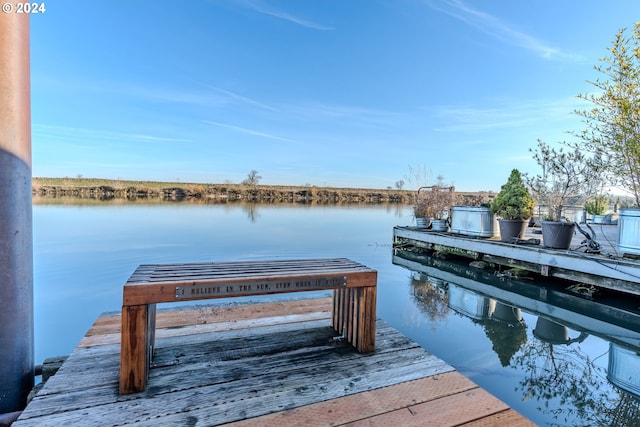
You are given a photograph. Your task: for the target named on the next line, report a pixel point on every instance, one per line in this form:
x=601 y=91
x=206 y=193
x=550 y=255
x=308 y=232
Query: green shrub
x=514 y=200
x=597 y=205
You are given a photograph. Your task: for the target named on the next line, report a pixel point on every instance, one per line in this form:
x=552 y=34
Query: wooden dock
x=259 y=365
x=605 y=270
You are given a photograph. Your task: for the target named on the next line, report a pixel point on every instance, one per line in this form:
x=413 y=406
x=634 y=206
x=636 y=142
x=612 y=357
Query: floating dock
x=602 y=270
x=259 y=365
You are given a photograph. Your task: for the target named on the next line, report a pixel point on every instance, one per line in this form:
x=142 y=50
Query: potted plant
x=597 y=207
x=419 y=176
x=514 y=206
x=421 y=211
x=563 y=179
x=436 y=201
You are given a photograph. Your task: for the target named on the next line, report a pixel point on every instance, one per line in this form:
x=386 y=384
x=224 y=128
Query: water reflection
x=251 y=210
x=556 y=372
x=430 y=295
x=564 y=374
x=469 y=303
x=551 y=332
x=624 y=368
x=507 y=331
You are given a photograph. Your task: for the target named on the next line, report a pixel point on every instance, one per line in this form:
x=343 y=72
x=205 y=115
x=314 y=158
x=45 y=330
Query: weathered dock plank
x=446 y=411
x=108 y=325
x=359 y=407
x=447 y=399
x=255 y=373
x=604 y=271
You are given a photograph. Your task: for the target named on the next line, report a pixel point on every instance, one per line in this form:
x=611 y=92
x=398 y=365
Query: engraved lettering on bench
x=257 y=288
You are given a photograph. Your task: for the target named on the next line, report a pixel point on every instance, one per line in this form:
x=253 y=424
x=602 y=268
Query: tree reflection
x=506 y=330
x=570 y=387
x=430 y=296
x=626 y=412
x=251 y=209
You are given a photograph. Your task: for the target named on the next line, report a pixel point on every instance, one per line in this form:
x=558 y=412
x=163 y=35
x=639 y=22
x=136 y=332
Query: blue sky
x=349 y=93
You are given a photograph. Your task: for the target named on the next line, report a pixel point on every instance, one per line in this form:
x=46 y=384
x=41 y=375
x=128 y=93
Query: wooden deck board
x=446 y=411
x=272 y=372
x=174 y=331
x=109 y=323
x=360 y=406
x=508 y=418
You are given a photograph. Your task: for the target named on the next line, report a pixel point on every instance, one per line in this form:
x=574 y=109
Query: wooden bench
x=354 y=299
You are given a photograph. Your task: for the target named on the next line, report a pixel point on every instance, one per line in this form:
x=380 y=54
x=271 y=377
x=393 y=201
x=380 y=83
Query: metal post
x=16 y=246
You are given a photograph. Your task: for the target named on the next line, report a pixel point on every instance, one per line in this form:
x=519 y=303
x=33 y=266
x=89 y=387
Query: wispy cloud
x=247 y=131
x=348 y=115
x=500 y=30
x=240 y=99
x=189 y=93
x=213 y=96
x=267 y=10
x=74 y=133
x=504 y=115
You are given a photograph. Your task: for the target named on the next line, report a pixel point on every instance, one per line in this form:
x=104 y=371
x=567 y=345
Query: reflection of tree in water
x=430 y=299
x=566 y=375
x=251 y=209
x=626 y=412
x=506 y=335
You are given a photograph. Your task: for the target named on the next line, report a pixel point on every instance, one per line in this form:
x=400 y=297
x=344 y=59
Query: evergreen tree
x=514 y=200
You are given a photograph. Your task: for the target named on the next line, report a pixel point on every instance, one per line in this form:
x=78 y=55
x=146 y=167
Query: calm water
x=84 y=253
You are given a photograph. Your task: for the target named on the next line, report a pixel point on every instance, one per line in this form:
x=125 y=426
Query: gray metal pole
x=16 y=246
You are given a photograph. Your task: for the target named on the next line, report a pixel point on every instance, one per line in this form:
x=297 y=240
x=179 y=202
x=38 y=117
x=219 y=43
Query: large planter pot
x=439 y=225
x=477 y=221
x=510 y=228
x=598 y=219
x=629 y=231
x=557 y=234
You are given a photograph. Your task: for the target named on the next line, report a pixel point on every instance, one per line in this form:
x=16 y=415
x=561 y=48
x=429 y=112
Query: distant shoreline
x=108 y=189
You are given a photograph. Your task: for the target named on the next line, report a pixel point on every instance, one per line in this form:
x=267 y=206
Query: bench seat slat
x=151 y=273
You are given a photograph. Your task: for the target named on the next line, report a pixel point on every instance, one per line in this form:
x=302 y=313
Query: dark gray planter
x=557 y=234
x=510 y=228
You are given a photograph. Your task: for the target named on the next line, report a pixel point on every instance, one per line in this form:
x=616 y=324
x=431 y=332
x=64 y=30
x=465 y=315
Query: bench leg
x=338 y=318
x=354 y=316
x=366 y=339
x=136 y=346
